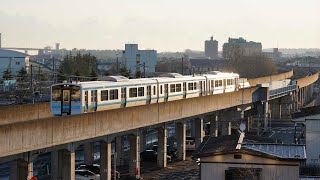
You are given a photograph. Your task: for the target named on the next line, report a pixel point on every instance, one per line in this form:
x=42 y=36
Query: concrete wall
x=48 y=132
x=271 y=169
x=266 y=79
x=312 y=139
x=19 y=113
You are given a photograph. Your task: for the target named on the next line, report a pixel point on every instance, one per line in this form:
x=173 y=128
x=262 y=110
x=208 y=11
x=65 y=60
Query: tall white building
x=135 y=59
x=13 y=61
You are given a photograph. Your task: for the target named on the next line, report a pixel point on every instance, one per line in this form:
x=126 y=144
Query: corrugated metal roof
x=283 y=151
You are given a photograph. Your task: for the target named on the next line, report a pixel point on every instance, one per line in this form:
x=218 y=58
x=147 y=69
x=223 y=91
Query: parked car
x=95 y=168
x=84 y=174
x=151 y=155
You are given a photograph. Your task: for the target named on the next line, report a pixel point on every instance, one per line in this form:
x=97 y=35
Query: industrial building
x=139 y=60
x=13 y=61
x=241 y=47
x=211 y=48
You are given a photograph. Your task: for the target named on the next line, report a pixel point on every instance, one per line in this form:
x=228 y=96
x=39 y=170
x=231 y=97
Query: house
x=246 y=156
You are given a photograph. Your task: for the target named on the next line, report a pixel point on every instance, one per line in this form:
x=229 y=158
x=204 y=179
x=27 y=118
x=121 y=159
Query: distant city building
x=274 y=55
x=12 y=60
x=211 y=48
x=201 y=65
x=134 y=59
x=241 y=47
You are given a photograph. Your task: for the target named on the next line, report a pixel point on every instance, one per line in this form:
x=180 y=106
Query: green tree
x=61 y=74
x=7 y=75
x=124 y=71
x=93 y=74
x=138 y=74
x=22 y=75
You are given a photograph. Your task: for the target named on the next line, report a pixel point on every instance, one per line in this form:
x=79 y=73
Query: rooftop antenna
x=242 y=128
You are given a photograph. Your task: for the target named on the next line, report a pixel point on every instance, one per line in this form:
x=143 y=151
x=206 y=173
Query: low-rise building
x=13 y=61
x=139 y=60
x=248 y=156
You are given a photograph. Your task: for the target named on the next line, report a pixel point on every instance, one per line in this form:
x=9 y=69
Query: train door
x=123 y=97
x=184 y=89
x=166 y=92
x=148 y=94
x=200 y=88
x=86 y=101
x=94 y=100
x=66 y=103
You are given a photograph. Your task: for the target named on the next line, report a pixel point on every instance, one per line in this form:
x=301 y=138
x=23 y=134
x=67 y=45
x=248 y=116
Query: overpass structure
x=29 y=130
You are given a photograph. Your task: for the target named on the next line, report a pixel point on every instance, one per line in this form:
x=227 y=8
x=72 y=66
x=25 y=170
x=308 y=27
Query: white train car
x=219 y=82
x=119 y=92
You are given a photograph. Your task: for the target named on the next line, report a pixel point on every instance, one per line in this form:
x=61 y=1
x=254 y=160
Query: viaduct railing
x=306 y=81
x=267 y=79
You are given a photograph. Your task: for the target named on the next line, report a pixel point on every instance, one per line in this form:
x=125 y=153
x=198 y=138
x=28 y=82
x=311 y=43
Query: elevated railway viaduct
x=29 y=130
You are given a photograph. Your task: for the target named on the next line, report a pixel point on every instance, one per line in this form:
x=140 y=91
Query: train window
x=216 y=83
x=141 y=91
x=161 y=89
x=148 y=90
x=212 y=84
x=56 y=93
x=228 y=82
x=75 y=93
x=93 y=95
x=104 y=95
x=172 y=88
x=178 y=87
x=154 y=90
x=190 y=86
x=113 y=94
x=195 y=86
x=220 y=83
x=133 y=92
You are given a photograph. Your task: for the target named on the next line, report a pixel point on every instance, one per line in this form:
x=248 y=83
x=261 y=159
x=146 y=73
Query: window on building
x=17 y=63
x=172 y=88
x=178 y=88
x=141 y=91
x=133 y=92
x=104 y=95
x=113 y=94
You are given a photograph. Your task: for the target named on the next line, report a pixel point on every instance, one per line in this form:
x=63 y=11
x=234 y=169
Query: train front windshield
x=65 y=99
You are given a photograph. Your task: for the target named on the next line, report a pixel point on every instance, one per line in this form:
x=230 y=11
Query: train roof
x=113 y=81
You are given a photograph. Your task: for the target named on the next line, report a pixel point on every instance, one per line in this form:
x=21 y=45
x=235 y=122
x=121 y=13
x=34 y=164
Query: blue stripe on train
x=119 y=102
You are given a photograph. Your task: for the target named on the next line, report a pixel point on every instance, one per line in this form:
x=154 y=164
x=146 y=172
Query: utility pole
x=182 y=65
x=117 y=65
x=31 y=85
x=144 y=69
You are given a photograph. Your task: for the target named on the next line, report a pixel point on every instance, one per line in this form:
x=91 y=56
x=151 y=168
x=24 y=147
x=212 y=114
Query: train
x=115 y=92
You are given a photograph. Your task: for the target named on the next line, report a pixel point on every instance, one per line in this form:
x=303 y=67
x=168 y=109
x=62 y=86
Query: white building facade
x=13 y=61
x=135 y=59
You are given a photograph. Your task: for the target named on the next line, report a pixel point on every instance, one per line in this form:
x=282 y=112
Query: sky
x=164 y=25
